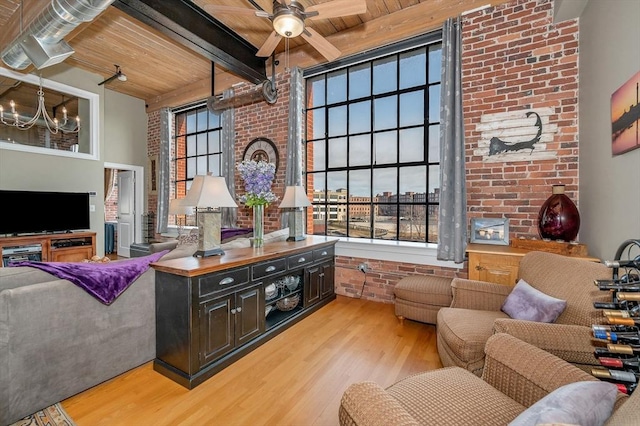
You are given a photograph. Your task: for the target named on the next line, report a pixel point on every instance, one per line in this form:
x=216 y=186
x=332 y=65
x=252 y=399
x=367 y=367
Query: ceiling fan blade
x=269 y=45
x=321 y=44
x=217 y=8
x=337 y=8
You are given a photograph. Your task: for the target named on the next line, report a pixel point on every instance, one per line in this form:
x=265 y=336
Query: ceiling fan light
x=288 y=25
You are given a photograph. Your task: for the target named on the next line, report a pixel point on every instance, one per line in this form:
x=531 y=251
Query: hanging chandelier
x=53 y=124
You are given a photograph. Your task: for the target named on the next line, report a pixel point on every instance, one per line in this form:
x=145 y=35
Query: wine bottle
x=626 y=295
x=614 y=328
x=617 y=375
x=624 y=349
x=626 y=388
x=632 y=263
x=600 y=352
x=626 y=313
x=623 y=304
x=619 y=362
x=619 y=286
x=624 y=321
x=622 y=337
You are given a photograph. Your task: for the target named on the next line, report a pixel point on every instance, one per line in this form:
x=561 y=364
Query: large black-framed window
x=373 y=144
x=197 y=149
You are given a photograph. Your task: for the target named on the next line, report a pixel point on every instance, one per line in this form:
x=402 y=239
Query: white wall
x=609 y=186
x=122 y=138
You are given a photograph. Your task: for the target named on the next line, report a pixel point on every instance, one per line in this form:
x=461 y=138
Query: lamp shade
x=294 y=196
x=288 y=25
x=178 y=206
x=209 y=191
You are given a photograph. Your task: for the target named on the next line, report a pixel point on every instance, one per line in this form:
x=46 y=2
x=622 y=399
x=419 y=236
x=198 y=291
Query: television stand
x=64 y=247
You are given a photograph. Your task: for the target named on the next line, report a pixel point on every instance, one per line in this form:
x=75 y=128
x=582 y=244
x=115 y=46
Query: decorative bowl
x=270 y=291
x=288 y=303
x=291 y=282
x=268 y=309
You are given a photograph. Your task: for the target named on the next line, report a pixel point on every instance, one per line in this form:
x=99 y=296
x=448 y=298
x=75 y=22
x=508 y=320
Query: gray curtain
x=452 y=220
x=295 y=159
x=164 y=174
x=228 y=168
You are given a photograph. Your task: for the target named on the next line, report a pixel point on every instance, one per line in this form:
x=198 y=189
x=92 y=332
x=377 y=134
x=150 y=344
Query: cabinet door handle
x=270 y=268
x=239 y=310
x=302 y=259
x=233 y=311
x=324 y=253
x=479 y=268
x=226 y=281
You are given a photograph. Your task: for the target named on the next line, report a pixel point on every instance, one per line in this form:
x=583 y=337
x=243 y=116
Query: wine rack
x=619 y=354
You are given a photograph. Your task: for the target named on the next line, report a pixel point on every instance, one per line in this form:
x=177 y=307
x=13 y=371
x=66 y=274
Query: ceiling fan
x=288 y=19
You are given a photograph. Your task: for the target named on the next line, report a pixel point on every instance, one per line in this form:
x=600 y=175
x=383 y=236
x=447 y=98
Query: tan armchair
x=474 y=314
x=516 y=376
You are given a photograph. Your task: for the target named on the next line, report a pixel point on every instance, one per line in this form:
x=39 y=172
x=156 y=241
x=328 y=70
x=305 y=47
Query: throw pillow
x=527 y=303
x=280 y=235
x=581 y=403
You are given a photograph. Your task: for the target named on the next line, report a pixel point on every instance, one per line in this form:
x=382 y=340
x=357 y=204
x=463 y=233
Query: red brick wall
x=514 y=58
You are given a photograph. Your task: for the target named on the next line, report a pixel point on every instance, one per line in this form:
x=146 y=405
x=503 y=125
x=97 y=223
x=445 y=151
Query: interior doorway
x=123 y=210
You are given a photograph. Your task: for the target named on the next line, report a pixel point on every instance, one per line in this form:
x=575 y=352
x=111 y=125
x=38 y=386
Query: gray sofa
x=56 y=340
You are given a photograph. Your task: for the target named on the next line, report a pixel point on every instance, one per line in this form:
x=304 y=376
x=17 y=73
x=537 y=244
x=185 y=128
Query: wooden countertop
x=232 y=258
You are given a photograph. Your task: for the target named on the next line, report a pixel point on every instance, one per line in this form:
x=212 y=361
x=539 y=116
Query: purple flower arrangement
x=258 y=177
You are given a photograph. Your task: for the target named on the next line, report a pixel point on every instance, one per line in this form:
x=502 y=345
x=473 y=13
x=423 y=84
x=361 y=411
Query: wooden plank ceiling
x=165 y=73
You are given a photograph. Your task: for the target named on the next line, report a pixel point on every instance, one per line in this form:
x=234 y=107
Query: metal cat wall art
x=497 y=145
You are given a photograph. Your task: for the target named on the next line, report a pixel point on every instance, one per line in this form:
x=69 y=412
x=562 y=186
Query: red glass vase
x=559 y=218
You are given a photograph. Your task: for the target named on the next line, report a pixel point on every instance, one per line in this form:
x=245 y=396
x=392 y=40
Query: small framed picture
x=490 y=231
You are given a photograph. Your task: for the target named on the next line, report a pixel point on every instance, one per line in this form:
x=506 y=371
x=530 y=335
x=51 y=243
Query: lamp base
x=297 y=237
x=211 y=252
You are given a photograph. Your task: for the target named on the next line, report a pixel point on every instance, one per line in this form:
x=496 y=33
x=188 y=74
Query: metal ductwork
x=42 y=42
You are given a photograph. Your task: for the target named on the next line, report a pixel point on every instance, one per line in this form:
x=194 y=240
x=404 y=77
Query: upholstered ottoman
x=420 y=297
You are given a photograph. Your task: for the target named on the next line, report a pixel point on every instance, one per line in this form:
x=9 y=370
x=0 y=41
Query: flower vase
x=258 y=225
x=559 y=218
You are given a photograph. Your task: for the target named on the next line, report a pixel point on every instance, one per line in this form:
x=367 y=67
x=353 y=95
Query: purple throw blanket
x=104 y=281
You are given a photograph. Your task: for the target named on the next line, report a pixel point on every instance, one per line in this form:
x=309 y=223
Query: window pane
x=360 y=184
x=360 y=150
x=359 y=81
x=181 y=169
x=316 y=156
x=434 y=103
x=413 y=68
x=413 y=179
x=338 y=152
x=360 y=117
x=315 y=123
x=315 y=91
x=386 y=148
x=385 y=226
x=191 y=121
x=191 y=145
x=385 y=113
x=435 y=63
x=181 y=147
x=202 y=143
x=434 y=178
x=214 y=141
x=203 y=119
x=214 y=120
x=337 y=87
x=385 y=181
x=191 y=168
x=335 y=181
x=413 y=222
x=412 y=145
x=434 y=143
x=201 y=165
x=338 y=121
x=214 y=164
x=385 y=75
x=412 y=108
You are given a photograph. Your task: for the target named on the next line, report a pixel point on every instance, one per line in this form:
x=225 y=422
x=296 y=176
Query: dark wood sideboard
x=212 y=311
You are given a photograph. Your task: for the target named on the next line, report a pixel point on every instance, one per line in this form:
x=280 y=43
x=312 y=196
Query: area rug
x=50 y=416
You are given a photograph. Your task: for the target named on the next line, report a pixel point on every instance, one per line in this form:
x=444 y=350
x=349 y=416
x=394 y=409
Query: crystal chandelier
x=52 y=124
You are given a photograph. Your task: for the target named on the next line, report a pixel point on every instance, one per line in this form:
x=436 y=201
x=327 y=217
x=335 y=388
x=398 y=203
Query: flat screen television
x=33 y=212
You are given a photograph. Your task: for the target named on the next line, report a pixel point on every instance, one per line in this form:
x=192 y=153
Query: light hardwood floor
x=297 y=378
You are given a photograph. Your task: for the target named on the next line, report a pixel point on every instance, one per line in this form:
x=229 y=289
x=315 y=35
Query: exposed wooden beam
x=186 y=23
x=412 y=21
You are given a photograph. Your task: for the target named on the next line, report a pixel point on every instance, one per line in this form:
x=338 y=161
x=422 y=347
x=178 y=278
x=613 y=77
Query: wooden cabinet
x=212 y=311
x=68 y=247
x=498 y=264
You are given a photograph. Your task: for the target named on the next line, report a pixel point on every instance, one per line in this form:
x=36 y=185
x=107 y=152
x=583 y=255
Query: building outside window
x=373 y=146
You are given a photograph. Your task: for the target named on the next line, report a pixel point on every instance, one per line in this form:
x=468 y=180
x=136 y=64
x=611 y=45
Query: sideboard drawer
x=300 y=259
x=217 y=282
x=269 y=268
x=323 y=253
